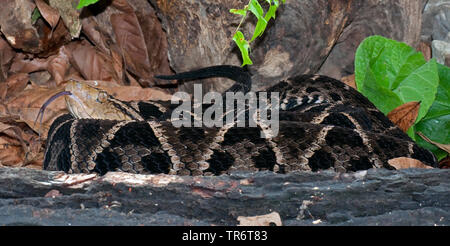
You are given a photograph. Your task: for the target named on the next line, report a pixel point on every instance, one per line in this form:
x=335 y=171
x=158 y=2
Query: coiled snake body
x=323 y=124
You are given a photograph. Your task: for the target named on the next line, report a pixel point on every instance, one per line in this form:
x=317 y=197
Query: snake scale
x=323 y=124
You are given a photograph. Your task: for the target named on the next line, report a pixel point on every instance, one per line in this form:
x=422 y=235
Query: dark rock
x=436 y=20
x=373 y=197
x=441 y=51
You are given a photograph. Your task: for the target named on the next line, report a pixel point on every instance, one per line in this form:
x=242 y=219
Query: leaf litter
x=110 y=49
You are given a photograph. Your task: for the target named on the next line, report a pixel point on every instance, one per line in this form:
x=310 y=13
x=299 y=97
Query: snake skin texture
x=323 y=124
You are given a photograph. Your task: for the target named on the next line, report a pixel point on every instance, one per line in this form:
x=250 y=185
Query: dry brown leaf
x=15 y=23
x=59 y=65
x=117 y=62
x=157 y=46
x=51 y=15
x=17 y=147
x=52 y=38
x=123 y=6
x=6 y=56
x=69 y=15
x=10 y=155
x=21 y=64
x=405 y=115
x=14 y=84
x=132 y=44
x=131 y=93
x=41 y=78
x=445 y=147
x=406 y=162
x=27 y=104
x=261 y=220
x=349 y=80
x=4 y=127
x=90 y=62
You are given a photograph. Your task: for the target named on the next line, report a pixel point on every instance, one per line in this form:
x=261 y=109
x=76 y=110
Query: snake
x=323 y=124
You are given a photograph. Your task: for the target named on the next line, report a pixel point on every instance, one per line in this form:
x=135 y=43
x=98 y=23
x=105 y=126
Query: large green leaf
x=436 y=124
x=395 y=68
x=420 y=85
x=390 y=73
x=84 y=3
x=366 y=53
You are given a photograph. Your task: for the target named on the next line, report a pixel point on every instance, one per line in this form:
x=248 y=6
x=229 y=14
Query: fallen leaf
x=405 y=115
x=123 y=6
x=26 y=105
x=6 y=56
x=136 y=93
x=90 y=62
x=69 y=15
x=349 y=80
x=130 y=93
x=16 y=26
x=261 y=220
x=132 y=44
x=59 y=65
x=445 y=147
x=50 y=14
x=52 y=38
x=117 y=62
x=14 y=85
x=10 y=155
x=94 y=33
x=157 y=46
x=406 y=162
x=41 y=78
x=15 y=150
x=22 y=64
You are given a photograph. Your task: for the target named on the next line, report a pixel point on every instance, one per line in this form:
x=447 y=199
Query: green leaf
x=243 y=45
x=366 y=53
x=441 y=106
x=436 y=123
x=386 y=68
x=259 y=29
x=35 y=15
x=256 y=9
x=382 y=97
x=270 y=13
x=421 y=85
x=391 y=61
x=399 y=68
x=239 y=11
x=84 y=3
x=262 y=23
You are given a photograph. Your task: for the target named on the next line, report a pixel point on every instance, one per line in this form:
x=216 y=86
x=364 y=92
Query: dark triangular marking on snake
x=57 y=156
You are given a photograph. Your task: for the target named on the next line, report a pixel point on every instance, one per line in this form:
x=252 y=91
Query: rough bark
x=374 y=197
x=306 y=37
